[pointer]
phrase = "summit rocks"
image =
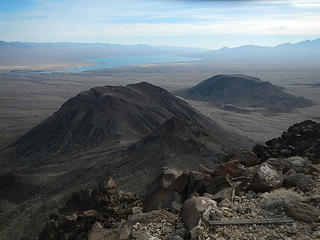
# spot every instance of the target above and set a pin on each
(302, 139)
(261, 198)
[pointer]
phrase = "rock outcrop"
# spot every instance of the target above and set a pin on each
(302, 139)
(241, 198)
(92, 214)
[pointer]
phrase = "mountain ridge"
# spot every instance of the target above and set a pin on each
(306, 53)
(178, 143)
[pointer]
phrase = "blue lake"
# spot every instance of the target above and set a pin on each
(120, 61)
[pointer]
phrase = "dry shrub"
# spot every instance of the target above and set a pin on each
(277, 199)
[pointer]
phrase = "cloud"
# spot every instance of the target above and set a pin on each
(168, 20)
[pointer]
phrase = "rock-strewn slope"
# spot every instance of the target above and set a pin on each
(245, 197)
(244, 91)
(178, 143)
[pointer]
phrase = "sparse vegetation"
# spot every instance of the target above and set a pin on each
(278, 199)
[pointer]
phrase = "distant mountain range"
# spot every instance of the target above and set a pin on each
(301, 52)
(129, 49)
(244, 91)
(30, 52)
(23, 53)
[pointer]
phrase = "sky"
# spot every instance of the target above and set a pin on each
(191, 23)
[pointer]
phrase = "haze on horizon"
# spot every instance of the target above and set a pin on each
(191, 23)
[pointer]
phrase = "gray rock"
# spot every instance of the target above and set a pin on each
(216, 184)
(193, 209)
(266, 179)
(299, 164)
(302, 212)
(301, 181)
(159, 196)
(176, 237)
(279, 164)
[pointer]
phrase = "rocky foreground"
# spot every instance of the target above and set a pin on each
(272, 192)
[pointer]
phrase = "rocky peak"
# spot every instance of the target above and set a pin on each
(302, 139)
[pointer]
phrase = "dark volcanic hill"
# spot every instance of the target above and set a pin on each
(108, 117)
(178, 143)
(244, 91)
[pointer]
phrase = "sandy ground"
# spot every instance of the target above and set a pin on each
(42, 67)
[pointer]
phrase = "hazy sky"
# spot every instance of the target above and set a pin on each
(197, 23)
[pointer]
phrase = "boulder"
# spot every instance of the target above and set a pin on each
(290, 172)
(299, 164)
(301, 181)
(279, 164)
(232, 168)
(303, 212)
(266, 179)
(241, 184)
(159, 195)
(197, 183)
(190, 183)
(246, 158)
(216, 184)
(193, 209)
(162, 198)
(181, 183)
(164, 179)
